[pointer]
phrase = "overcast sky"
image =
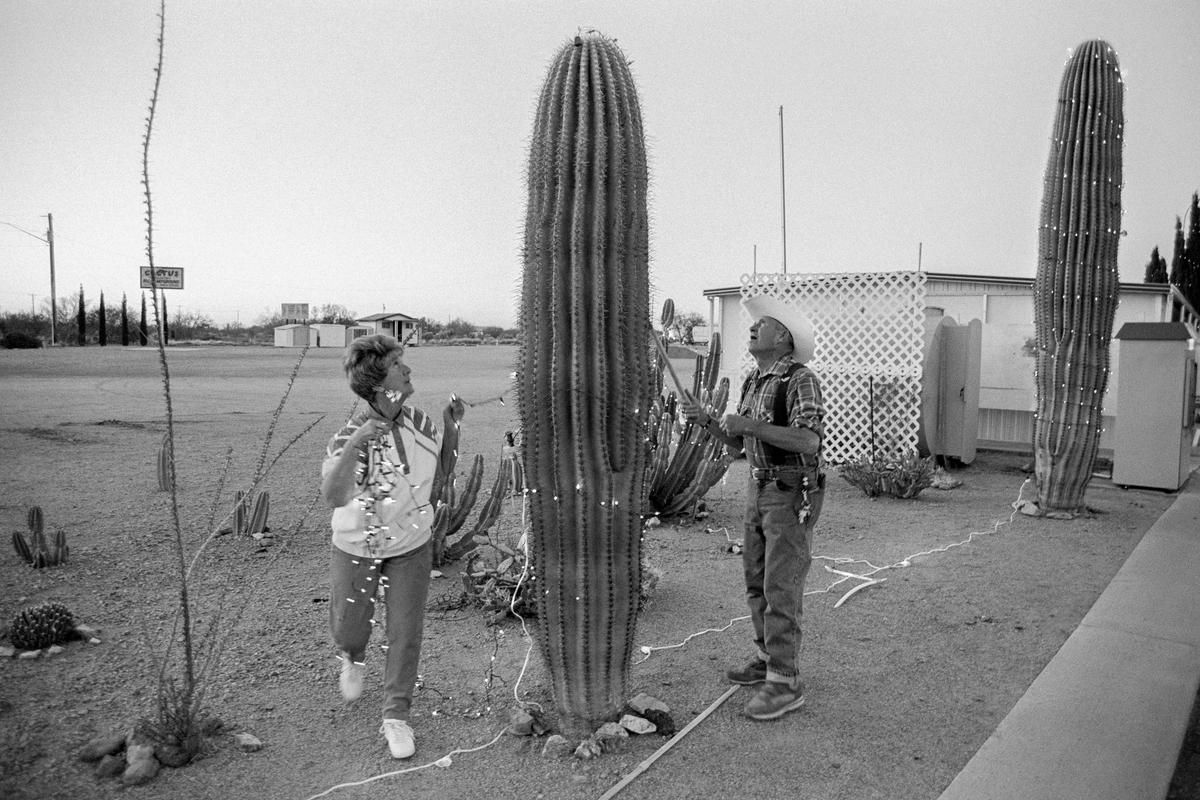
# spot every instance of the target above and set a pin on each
(372, 154)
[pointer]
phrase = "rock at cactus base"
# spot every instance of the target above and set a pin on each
(141, 765)
(110, 766)
(103, 745)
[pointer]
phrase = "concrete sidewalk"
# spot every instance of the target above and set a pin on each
(1106, 717)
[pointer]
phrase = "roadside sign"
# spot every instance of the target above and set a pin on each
(166, 277)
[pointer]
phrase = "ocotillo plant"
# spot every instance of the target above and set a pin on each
(584, 372)
(1075, 292)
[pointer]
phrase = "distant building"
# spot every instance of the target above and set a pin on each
(328, 334)
(1004, 306)
(294, 335)
(401, 326)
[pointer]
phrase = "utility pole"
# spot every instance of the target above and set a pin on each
(782, 191)
(53, 296)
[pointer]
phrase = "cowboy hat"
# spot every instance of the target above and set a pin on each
(791, 317)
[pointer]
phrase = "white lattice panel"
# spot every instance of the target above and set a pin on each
(869, 330)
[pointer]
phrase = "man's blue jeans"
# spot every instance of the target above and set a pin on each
(776, 554)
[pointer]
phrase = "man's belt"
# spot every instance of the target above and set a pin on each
(775, 473)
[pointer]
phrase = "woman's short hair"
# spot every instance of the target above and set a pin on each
(366, 362)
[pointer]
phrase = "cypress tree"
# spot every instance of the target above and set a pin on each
(102, 322)
(1156, 268)
(1191, 255)
(1177, 255)
(124, 320)
(142, 337)
(81, 319)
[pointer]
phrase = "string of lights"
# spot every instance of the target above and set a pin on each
(866, 579)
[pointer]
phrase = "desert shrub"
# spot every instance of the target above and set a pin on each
(905, 477)
(20, 340)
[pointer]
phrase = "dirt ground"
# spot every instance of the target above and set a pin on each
(906, 678)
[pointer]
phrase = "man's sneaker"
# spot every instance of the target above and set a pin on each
(774, 700)
(754, 672)
(399, 737)
(351, 679)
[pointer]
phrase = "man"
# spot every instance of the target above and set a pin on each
(779, 424)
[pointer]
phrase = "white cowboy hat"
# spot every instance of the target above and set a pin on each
(803, 343)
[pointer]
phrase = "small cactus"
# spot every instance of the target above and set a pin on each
(487, 515)
(688, 460)
(453, 507)
(164, 465)
(35, 551)
(34, 519)
(41, 626)
(250, 517)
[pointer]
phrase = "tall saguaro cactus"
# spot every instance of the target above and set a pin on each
(1075, 292)
(584, 372)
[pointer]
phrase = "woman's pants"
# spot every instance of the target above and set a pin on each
(354, 582)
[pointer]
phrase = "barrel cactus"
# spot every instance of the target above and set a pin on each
(41, 626)
(584, 380)
(1075, 291)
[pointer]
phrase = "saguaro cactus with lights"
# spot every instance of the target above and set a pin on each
(584, 380)
(1075, 292)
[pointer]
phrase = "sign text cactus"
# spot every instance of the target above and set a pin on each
(1075, 292)
(584, 372)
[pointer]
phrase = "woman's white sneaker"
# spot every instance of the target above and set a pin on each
(351, 679)
(399, 737)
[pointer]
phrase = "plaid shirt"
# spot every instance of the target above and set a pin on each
(805, 409)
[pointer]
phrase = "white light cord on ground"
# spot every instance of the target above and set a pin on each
(647, 651)
(865, 577)
(444, 761)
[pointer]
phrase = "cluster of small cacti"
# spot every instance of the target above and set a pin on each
(250, 512)
(688, 460)
(36, 550)
(41, 626)
(489, 512)
(453, 505)
(1075, 292)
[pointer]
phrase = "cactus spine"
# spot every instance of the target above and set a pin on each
(1075, 292)
(584, 372)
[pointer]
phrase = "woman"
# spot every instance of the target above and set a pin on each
(378, 475)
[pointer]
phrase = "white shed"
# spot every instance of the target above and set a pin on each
(328, 335)
(293, 335)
